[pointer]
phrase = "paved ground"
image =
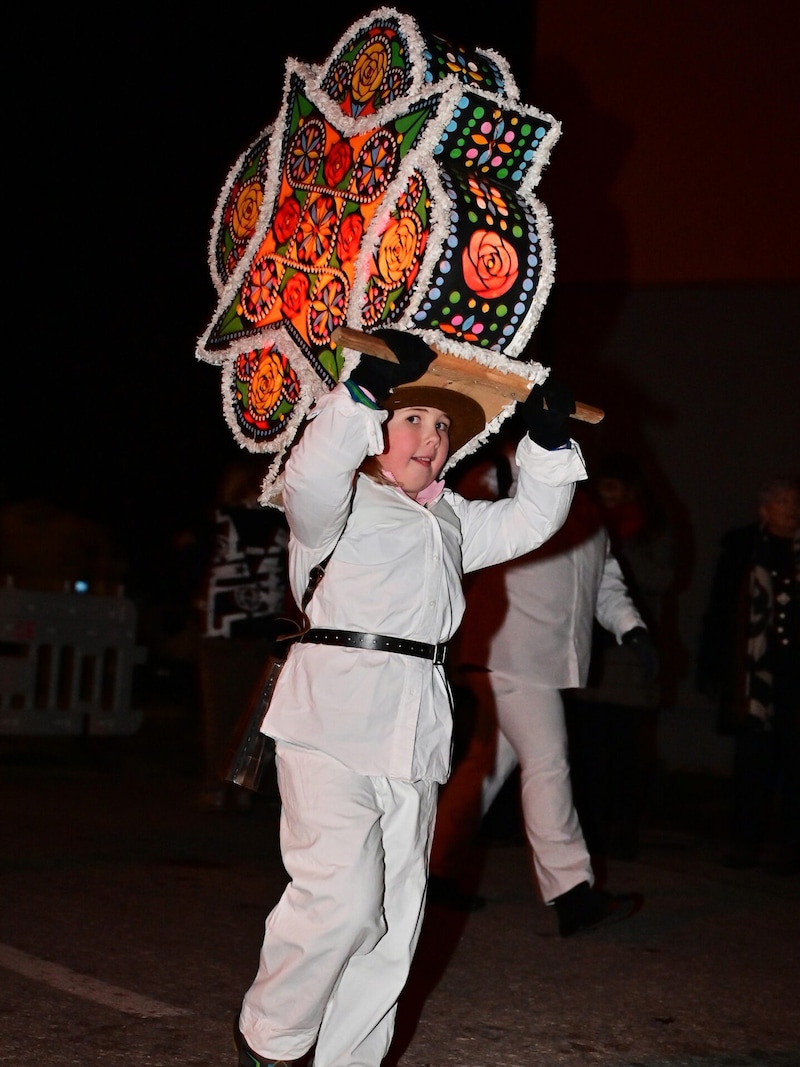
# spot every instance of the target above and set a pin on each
(130, 924)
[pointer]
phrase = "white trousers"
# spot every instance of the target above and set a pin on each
(338, 945)
(517, 723)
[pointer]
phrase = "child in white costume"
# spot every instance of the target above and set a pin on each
(363, 734)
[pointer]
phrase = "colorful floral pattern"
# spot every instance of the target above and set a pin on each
(330, 189)
(489, 279)
(241, 211)
(371, 70)
(489, 264)
(416, 209)
(394, 264)
(265, 392)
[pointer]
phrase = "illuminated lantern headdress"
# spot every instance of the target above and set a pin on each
(394, 189)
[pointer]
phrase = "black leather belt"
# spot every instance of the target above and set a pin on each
(377, 642)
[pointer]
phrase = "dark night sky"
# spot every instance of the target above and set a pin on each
(143, 121)
(127, 128)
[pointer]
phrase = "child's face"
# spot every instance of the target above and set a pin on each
(418, 443)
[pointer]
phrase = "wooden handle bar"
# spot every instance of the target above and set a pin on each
(451, 369)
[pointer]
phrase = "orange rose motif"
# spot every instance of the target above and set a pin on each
(245, 211)
(490, 264)
(295, 293)
(348, 240)
(337, 163)
(369, 70)
(286, 220)
(266, 383)
(398, 249)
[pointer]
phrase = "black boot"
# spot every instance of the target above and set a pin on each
(584, 908)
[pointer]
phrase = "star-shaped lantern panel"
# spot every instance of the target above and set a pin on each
(394, 189)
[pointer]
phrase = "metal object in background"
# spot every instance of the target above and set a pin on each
(66, 663)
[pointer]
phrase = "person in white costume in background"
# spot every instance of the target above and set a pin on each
(362, 712)
(527, 634)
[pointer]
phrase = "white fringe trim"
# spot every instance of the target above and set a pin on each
(447, 92)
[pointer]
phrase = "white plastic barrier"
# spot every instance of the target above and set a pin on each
(66, 663)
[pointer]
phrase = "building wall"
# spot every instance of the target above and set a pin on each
(679, 138)
(700, 382)
(675, 304)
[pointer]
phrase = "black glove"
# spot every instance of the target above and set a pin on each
(380, 376)
(638, 639)
(547, 426)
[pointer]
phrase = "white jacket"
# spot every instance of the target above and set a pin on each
(397, 570)
(533, 617)
(548, 606)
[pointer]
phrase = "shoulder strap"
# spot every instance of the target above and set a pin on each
(314, 578)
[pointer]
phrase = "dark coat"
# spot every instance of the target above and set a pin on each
(722, 649)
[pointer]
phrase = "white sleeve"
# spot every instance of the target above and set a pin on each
(320, 469)
(615, 611)
(496, 531)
